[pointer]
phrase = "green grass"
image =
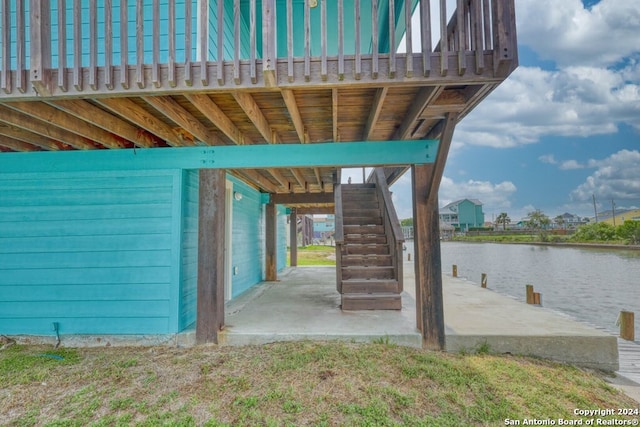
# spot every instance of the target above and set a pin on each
(315, 255)
(307, 383)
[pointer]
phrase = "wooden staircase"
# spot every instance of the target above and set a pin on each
(368, 247)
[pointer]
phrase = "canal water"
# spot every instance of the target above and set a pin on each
(590, 285)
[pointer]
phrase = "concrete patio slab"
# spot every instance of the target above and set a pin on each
(304, 305)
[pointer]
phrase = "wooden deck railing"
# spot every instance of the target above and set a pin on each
(182, 43)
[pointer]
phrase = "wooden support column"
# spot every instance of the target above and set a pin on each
(211, 243)
(293, 237)
(428, 263)
(269, 49)
(271, 257)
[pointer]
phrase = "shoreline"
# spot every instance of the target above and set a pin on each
(560, 244)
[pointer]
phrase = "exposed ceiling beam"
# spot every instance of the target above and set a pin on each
(63, 120)
(30, 138)
(253, 112)
(182, 118)
(90, 113)
(302, 198)
(424, 96)
(131, 111)
(17, 145)
(213, 113)
(378, 102)
(14, 118)
(300, 178)
(294, 112)
(258, 180)
(279, 177)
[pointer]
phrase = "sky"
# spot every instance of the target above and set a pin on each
(565, 126)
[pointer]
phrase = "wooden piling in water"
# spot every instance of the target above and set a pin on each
(529, 289)
(408, 257)
(537, 298)
(627, 326)
(483, 280)
(455, 271)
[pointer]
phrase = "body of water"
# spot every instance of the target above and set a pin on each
(590, 285)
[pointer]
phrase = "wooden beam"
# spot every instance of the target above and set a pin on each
(271, 250)
(30, 138)
(302, 198)
(378, 102)
(260, 156)
(55, 117)
(300, 178)
(88, 112)
(423, 98)
(293, 238)
(212, 112)
(136, 114)
(17, 145)
(427, 263)
(294, 112)
(211, 244)
(311, 210)
(279, 177)
(30, 124)
(253, 112)
(258, 180)
(182, 118)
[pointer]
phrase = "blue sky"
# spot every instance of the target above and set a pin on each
(563, 127)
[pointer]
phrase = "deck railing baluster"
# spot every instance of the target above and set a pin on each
(77, 45)
(6, 46)
(375, 40)
(188, 43)
(155, 31)
(140, 44)
(252, 42)
(220, 54)
(392, 39)
(62, 45)
(425, 34)
(307, 41)
(408, 39)
(21, 53)
(124, 45)
(108, 44)
(171, 73)
(358, 54)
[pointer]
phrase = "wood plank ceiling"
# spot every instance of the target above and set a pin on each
(286, 116)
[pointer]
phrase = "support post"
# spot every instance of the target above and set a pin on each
(271, 243)
(483, 280)
(529, 292)
(293, 238)
(211, 243)
(40, 47)
(627, 326)
(427, 264)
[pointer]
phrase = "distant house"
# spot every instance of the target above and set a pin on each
(571, 220)
(463, 214)
(323, 227)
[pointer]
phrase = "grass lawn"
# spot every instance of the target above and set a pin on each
(304, 383)
(315, 255)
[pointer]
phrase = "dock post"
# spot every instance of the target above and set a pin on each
(454, 273)
(483, 280)
(627, 327)
(408, 257)
(537, 298)
(529, 294)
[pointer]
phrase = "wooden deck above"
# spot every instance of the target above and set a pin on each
(95, 99)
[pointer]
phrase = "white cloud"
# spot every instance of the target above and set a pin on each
(548, 158)
(571, 165)
(493, 196)
(567, 33)
(617, 177)
(534, 103)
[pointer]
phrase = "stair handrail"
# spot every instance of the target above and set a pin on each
(338, 235)
(390, 212)
(391, 224)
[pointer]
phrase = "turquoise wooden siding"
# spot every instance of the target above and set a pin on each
(229, 32)
(96, 252)
(189, 272)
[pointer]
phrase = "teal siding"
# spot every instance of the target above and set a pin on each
(189, 260)
(94, 252)
(248, 238)
(281, 261)
(229, 31)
